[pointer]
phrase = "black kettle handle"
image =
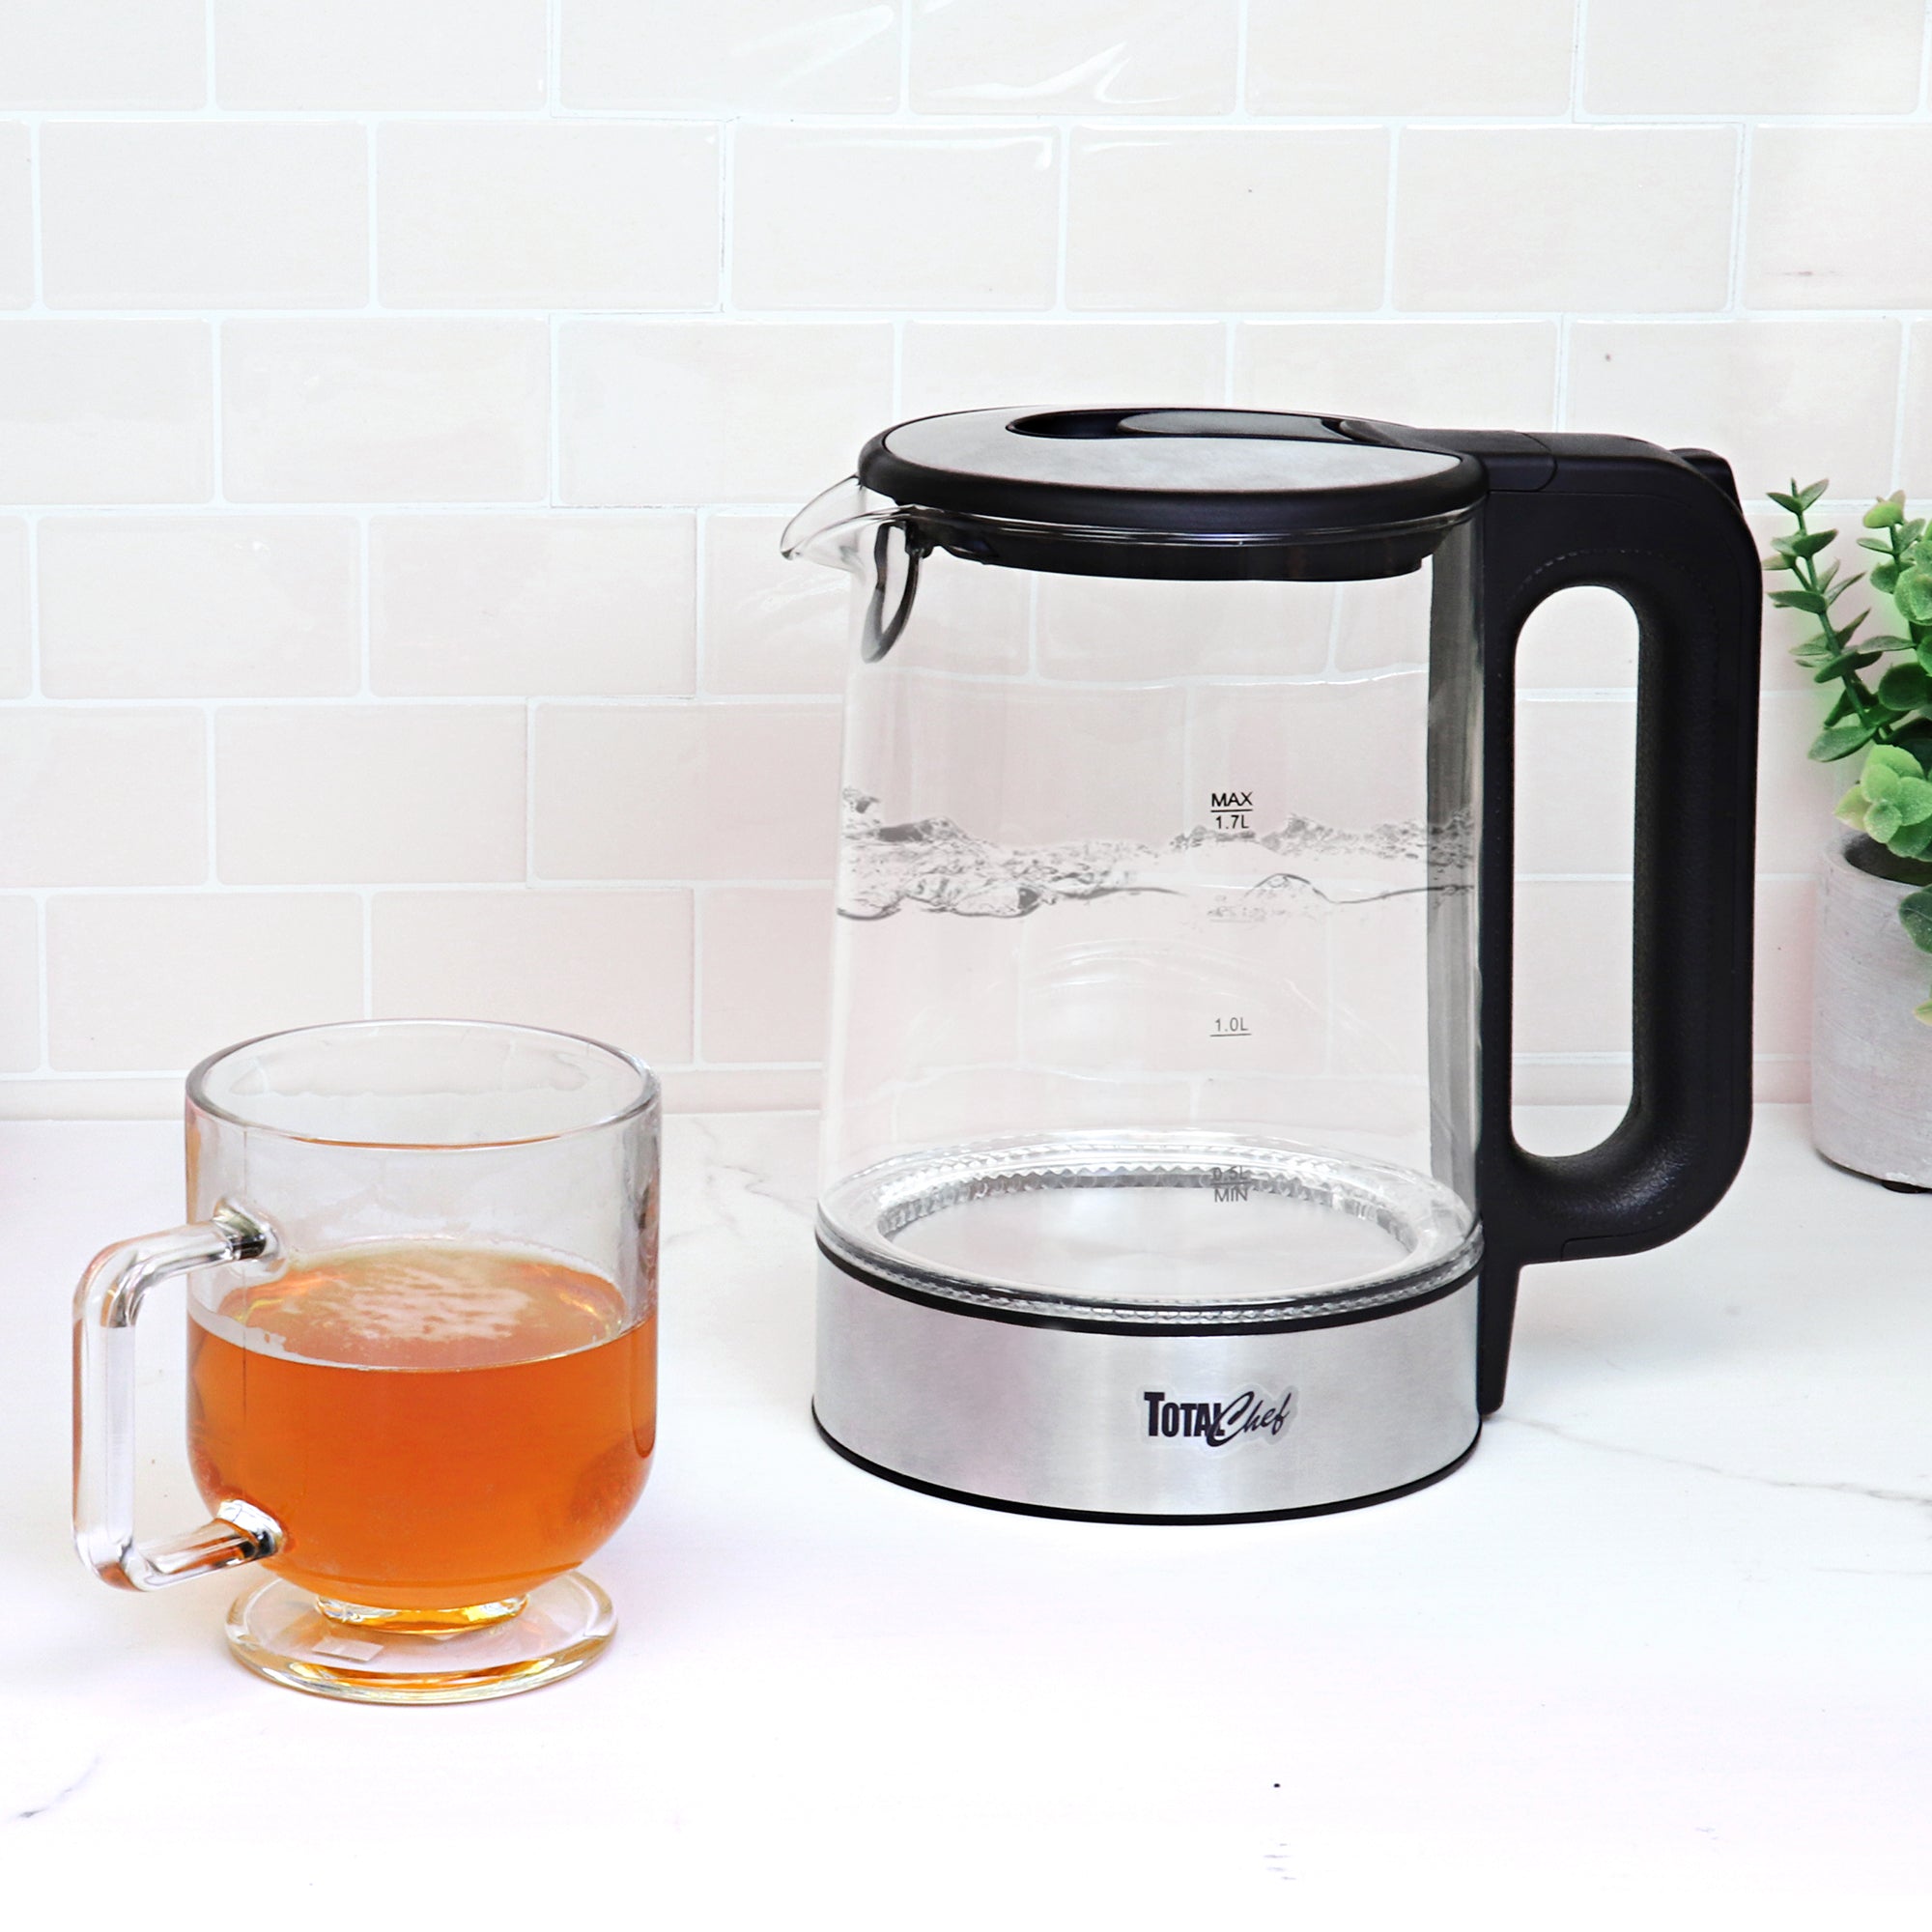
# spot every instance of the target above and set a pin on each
(1664, 530)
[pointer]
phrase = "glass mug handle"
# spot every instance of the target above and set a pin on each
(106, 1306)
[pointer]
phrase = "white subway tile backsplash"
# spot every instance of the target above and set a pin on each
(884, 218)
(375, 794)
(1408, 57)
(1623, 218)
(1752, 57)
(771, 627)
(205, 215)
(19, 984)
(515, 605)
(16, 217)
(766, 972)
(412, 54)
(160, 979)
(1574, 765)
(1795, 801)
(717, 411)
(458, 555)
(612, 965)
(737, 791)
(199, 606)
(964, 365)
(1074, 56)
(417, 409)
(1443, 374)
(106, 411)
(754, 56)
(103, 53)
(1779, 396)
(1572, 966)
(1226, 218)
(1584, 638)
(1916, 453)
(17, 614)
(547, 215)
(1782, 1011)
(1854, 258)
(99, 796)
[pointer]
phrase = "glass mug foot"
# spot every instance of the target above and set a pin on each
(286, 1635)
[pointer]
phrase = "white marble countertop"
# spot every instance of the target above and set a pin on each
(1670, 1632)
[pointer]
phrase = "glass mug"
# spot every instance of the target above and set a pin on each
(423, 1353)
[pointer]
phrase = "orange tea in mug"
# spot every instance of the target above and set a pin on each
(490, 1418)
(423, 1353)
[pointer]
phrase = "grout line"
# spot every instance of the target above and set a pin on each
(1740, 219)
(35, 183)
(727, 207)
(365, 572)
(1579, 29)
(554, 484)
(540, 887)
(777, 318)
(1062, 148)
(372, 303)
(1897, 478)
(530, 793)
(700, 601)
(208, 795)
(985, 121)
(1393, 191)
(552, 56)
(42, 985)
(699, 898)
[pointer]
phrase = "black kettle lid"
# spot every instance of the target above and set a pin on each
(1206, 492)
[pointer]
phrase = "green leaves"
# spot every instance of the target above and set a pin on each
(1799, 500)
(1904, 687)
(1891, 763)
(1841, 741)
(1897, 794)
(1806, 543)
(1910, 842)
(1891, 723)
(1915, 914)
(1912, 593)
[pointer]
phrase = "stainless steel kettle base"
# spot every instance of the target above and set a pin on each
(1083, 1419)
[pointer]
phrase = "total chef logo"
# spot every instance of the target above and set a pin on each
(1248, 1417)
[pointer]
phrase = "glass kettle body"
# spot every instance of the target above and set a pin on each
(1166, 1165)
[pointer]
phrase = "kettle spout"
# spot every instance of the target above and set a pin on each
(854, 529)
(832, 528)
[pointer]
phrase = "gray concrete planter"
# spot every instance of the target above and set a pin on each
(1872, 1059)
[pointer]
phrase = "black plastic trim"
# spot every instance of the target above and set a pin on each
(946, 1496)
(1663, 528)
(1109, 1325)
(1324, 532)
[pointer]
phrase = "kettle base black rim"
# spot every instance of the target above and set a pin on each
(943, 1495)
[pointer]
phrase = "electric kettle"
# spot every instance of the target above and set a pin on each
(1167, 1169)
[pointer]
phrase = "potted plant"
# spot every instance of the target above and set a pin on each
(1871, 1065)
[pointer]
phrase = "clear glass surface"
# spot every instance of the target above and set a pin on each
(421, 1348)
(1155, 963)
